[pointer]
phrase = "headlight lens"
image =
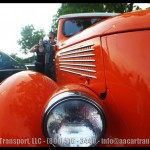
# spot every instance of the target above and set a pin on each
(73, 120)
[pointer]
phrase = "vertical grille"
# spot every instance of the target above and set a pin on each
(80, 61)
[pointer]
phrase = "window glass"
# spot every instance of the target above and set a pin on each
(75, 25)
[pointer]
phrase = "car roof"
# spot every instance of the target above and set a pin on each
(7, 55)
(76, 15)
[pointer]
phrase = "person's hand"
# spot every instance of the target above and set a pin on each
(36, 46)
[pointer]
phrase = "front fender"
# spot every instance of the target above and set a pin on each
(23, 97)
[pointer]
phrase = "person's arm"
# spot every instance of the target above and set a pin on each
(46, 58)
(34, 48)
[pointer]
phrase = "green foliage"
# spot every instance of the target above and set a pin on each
(120, 7)
(68, 8)
(29, 37)
(55, 24)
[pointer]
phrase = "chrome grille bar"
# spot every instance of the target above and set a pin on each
(72, 49)
(77, 60)
(79, 73)
(86, 55)
(87, 70)
(85, 65)
(76, 52)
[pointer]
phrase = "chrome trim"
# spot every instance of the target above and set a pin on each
(88, 50)
(92, 60)
(71, 49)
(76, 15)
(79, 73)
(61, 97)
(78, 69)
(85, 55)
(57, 98)
(84, 65)
(68, 96)
(12, 69)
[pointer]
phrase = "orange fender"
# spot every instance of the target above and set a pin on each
(23, 97)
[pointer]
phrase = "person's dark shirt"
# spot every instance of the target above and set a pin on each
(50, 53)
(40, 58)
(50, 60)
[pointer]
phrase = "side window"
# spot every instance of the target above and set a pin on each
(75, 25)
(71, 27)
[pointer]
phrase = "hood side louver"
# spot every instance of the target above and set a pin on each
(79, 61)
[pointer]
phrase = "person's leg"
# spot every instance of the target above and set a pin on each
(36, 67)
(50, 71)
(41, 69)
(47, 70)
(53, 73)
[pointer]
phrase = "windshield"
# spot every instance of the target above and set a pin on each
(75, 25)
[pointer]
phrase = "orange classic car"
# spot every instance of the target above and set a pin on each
(102, 94)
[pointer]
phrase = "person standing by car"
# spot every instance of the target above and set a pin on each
(50, 56)
(40, 58)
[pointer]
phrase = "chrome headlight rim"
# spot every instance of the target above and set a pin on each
(68, 96)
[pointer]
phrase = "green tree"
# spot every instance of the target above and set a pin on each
(29, 37)
(120, 7)
(68, 8)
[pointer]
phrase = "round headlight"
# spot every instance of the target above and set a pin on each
(73, 119)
